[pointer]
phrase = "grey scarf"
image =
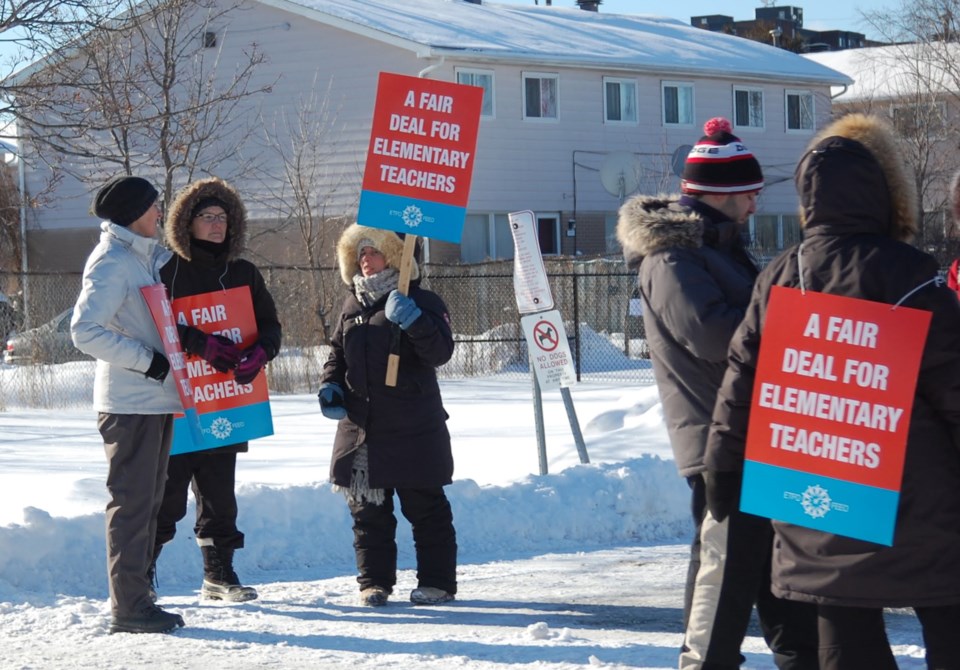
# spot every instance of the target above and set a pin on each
(359, 490)
(370, 289)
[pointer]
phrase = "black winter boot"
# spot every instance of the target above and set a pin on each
(151, 619)
(220, 582)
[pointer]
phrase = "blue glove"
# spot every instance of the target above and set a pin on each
(331, 401)
(401, 309)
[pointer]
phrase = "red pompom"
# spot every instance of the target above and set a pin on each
(716, 125)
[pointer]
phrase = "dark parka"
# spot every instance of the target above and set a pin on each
(404, 427)
(695, 279)
(858, 208)
(195, 269)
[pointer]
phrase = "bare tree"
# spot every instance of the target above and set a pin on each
(146, 92)
(918, 79)
(312, 179)
(30, 28)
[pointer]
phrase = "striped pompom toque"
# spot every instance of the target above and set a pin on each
(720, 163)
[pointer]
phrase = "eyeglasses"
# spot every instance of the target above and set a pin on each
(210, 218)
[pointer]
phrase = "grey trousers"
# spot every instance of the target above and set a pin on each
(137, 448)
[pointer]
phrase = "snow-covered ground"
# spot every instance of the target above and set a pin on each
(581, 567)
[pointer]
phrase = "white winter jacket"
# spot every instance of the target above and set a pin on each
(111, 322)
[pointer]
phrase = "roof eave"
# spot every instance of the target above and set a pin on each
(609, 66)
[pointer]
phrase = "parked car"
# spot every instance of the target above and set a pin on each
(49, 343)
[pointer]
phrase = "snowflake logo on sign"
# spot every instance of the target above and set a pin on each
(816, 501)
(221, 428)
(412, 216)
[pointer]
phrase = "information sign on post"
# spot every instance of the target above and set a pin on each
(549, 350)
(529, 275)
(830, 412)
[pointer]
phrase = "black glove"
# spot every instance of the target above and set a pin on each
(217, 350)
(159, 367)
(723, 492)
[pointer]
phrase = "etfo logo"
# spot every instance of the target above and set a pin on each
(412, 216)
(221, 428)
(816, 501)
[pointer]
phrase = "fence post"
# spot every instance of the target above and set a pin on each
(576, 319)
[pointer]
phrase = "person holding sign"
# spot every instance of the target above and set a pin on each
(858, 209)
(695, 279)
(391, 439)
(206, 229)
(132, 392)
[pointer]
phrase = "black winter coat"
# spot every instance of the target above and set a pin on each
(849, 249)
(695, 278)
(404, 426)
(195, 269)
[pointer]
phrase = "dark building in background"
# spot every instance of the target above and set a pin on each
(783, 27)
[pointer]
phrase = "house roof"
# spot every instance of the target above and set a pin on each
(894, 72)
(554, 36)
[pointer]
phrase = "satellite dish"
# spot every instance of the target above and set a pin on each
(679, 158)
(618, 174)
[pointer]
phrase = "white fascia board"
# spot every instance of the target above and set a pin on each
(660, 69)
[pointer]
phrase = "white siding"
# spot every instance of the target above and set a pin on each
(542, 166)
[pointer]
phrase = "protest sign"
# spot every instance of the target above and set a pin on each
(831, 408)
(229, 412)
(420, 157)
(162, 313)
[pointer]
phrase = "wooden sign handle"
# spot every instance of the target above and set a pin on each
(403, 286)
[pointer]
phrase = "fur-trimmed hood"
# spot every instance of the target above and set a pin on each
(852, 178)
(177, 224)
(387, 242)
(649, 223)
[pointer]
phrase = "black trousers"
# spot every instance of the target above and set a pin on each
(374, 539)
(698, 508)
(852, 638)
(212, 476)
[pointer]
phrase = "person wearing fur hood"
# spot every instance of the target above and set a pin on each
(206, 230)
(695, 278)
(390, 439)
(858, 210)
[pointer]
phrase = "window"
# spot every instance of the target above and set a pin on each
(677, 103)
(486, 237)
(800, 111)
(619, 100)
(483, 79)
(771, 233)
(548, 233)
(747, 108)
(539, 96)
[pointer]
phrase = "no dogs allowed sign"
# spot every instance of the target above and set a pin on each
(549, 350)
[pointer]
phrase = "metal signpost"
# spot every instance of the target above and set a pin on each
(551, 363)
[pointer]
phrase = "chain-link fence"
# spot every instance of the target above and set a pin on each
(42, 369)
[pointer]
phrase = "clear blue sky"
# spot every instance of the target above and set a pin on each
(817, 14)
